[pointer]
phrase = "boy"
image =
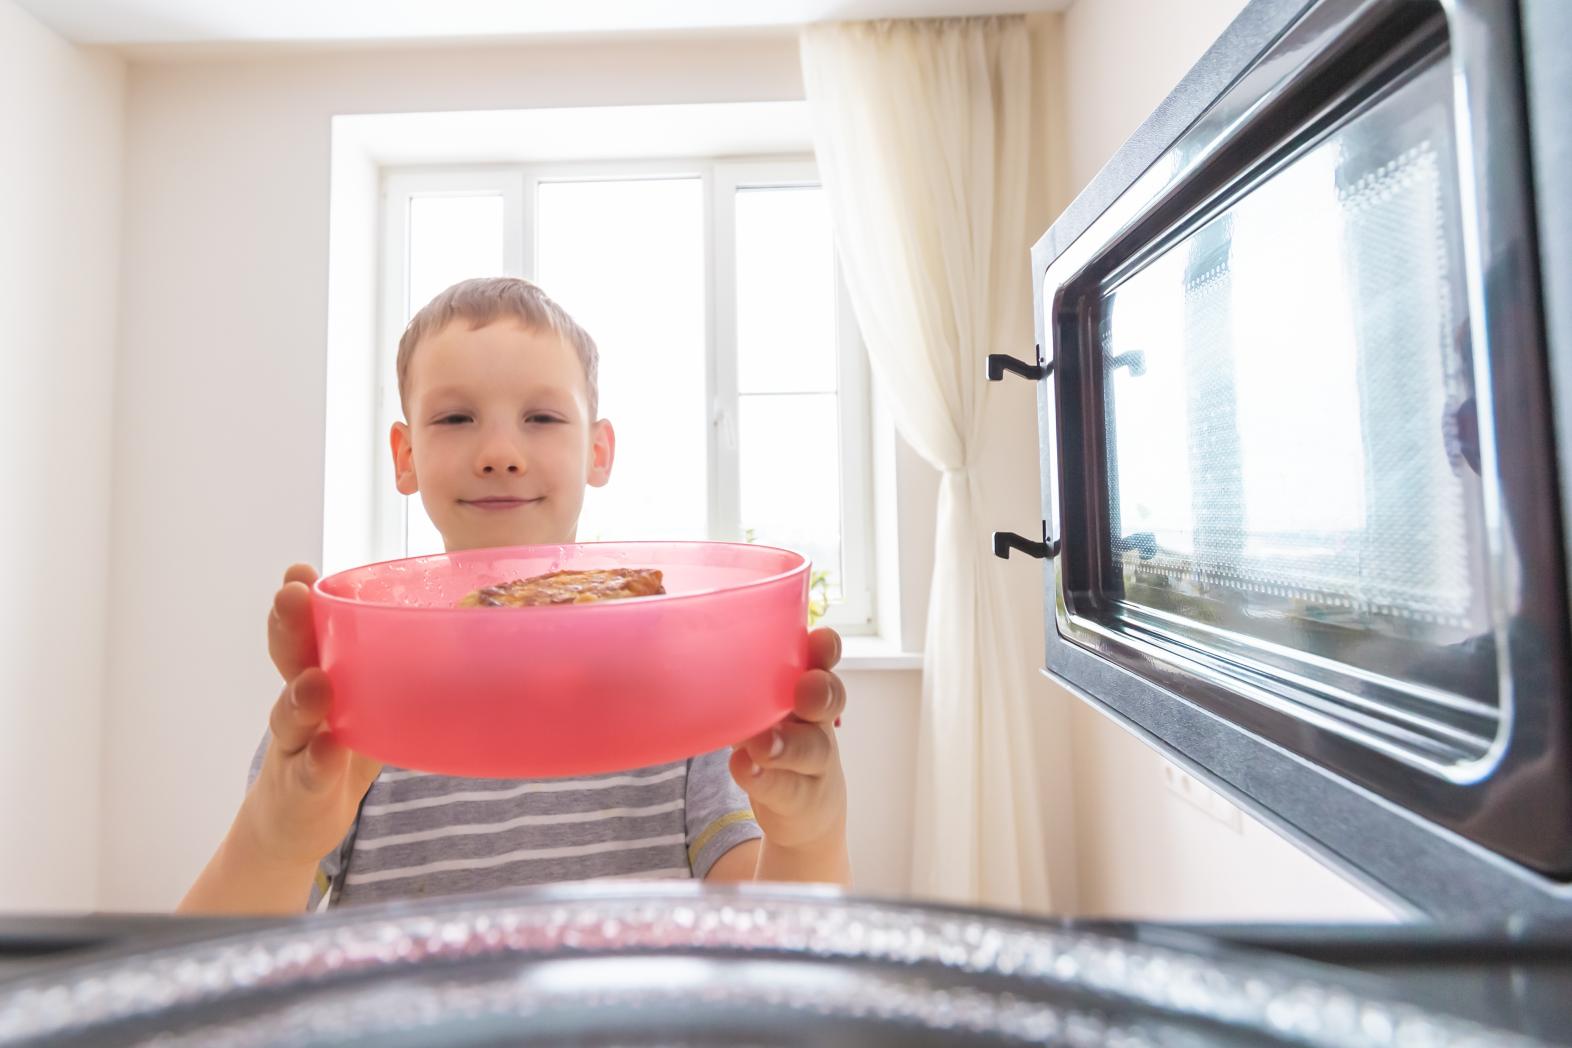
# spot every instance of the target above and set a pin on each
(498, 385)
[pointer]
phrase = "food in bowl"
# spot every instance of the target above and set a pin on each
(568, 587)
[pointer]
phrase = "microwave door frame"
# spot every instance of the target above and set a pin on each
(1546, 26)
(1413, 863)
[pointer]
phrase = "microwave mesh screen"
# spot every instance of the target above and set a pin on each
(1291, 435)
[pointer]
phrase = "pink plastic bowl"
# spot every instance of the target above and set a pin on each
(563, 690)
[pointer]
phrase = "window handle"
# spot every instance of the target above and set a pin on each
(725, 424)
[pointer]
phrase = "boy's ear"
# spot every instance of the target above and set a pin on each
(603, 448)
(403, 460)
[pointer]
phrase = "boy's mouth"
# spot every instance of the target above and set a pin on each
(499, 503)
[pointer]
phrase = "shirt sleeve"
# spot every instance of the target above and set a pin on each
(332, 866)
(719, 816)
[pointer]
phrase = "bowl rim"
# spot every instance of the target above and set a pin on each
(802, 565)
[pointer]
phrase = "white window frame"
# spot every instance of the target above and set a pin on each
(855, 614)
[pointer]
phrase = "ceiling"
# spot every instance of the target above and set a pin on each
(132, 22)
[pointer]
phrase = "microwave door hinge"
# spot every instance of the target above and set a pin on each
(1005, 541)
(999, 363)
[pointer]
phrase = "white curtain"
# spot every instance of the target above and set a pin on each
(922, 132)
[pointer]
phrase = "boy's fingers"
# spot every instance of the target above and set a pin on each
(782, 792)
(299, 711)
(291, 610)
(323, 763)
(792, 746)
(824, 648)
(303, 573)
(820, 696)
(284, 724)
(291, 634)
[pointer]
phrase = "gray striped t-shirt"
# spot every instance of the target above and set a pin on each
(420, 835)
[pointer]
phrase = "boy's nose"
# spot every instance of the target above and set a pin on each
(500, 456)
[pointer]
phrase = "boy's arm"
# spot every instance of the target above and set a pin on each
(758, 860)
(240, 878)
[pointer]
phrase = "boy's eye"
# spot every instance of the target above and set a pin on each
(538, 417)
(451, 420)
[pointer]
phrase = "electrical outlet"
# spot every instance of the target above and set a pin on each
(1196, 793)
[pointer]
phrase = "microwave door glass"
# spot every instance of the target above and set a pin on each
(1294, 493)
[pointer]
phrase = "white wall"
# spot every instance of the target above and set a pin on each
(1142, 850)
(60, 111)
(218, 464)
(878, 739)
(1121, 58)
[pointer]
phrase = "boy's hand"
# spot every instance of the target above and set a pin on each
(310, 786)
(792, 772)
(291, 635)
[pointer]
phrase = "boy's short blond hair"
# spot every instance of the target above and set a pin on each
(484, 300)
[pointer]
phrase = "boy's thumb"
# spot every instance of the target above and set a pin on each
(325, 763)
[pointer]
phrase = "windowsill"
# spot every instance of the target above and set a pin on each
(876, 653)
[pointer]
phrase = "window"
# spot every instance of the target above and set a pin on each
(731, 365)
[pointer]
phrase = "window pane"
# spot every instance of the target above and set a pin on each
(789, 465)
(626, 259)
(451, 238)
(785, 292)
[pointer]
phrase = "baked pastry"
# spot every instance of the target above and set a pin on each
(568, 587)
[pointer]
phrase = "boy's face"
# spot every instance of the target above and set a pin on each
(499, 441)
